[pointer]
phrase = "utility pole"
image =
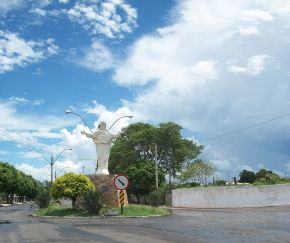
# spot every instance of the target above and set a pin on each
(51, 161)
(83, 169)
(156, 167)
(51, 169)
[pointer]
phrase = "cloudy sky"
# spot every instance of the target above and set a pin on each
(212, 66)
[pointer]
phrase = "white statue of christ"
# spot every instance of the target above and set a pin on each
(103, 140)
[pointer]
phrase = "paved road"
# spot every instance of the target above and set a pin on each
(223, 225)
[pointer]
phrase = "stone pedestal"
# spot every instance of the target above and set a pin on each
(105, 184)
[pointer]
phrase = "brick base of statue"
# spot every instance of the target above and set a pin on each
(105, 184)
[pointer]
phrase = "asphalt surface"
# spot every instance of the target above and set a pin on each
(212, 225)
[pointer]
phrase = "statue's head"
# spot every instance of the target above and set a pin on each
(102, 126)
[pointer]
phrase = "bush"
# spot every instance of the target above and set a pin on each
(71, 186)
(93, 202)
(43, 199)
(268, 179)
(156, 198)
(187, 185)
(220, 183)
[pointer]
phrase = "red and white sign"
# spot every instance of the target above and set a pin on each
(121, 182)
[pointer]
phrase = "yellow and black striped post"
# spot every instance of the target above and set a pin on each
(122, 200)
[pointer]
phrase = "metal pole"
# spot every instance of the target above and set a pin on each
(55, 175)
(156, 167)
(118, 120)
(71, 112)
(51, 170)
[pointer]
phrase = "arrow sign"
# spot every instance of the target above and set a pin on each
(121, 182)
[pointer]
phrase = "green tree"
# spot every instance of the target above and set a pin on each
(138, 142)
(197, 172)
(71, 186)
(173, 150)
(13, 181)
(247, 176)
(267, 177)
(9, 181)
(263, 173)
(142, 178)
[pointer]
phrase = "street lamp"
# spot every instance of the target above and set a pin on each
(118, 120)
(71, 112)
(52, 160)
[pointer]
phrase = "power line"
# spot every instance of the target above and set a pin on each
(38, 157)
(82, 158)
(245, 128)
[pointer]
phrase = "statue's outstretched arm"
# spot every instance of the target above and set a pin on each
(89, 135)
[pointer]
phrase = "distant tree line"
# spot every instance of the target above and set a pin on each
(263, 176)
(13, 181)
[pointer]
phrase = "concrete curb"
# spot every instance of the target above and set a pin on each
(97, 217)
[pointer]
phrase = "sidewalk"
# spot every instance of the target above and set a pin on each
(5, 205)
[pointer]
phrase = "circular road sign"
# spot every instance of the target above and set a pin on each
(121, 182)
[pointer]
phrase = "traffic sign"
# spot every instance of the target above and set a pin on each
(121, 182)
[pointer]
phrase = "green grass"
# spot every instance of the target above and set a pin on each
(131, 210)
(142, 210)
(55, 210)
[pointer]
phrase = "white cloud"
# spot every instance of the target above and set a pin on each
(248, 30)
(255, 65)
(261, 166)
(83, 148)
(110, 18)
(97, 58)
(21, 138)
(246, 167)
(110, 117)
(14, 100)
(15, 51)
(257, 15)
(279, 173)
(28, 129)
(63, 1)
(2, 152)
(6, 5)
(222, 164)
(42, 173)
(60, 167)
(38, 11)
(205, 68)
(13, 119)
(180, 73)
(43, 3)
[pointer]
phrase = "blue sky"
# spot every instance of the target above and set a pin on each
(213, 67)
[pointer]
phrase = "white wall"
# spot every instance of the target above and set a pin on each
(232, 196)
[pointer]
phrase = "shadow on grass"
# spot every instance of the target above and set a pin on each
(59, 211)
